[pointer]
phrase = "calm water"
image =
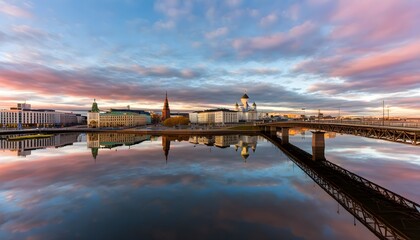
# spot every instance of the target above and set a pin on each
(112, 186)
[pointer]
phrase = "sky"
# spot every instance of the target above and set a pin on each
(333, 55)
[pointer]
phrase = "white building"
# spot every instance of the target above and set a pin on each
(24, 116)
(217, 116)
(246, 113)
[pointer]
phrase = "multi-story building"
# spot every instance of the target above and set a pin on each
(114, 118)
(23, 116)
(218, 116)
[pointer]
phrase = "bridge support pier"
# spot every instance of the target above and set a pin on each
(318, 146)
(284, 135)
(273, 129)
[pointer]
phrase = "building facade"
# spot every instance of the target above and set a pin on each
(23, 116)
(115, 118)
(217, 116)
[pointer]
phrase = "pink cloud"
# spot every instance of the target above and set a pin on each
(380, 60)
(13, 10)
(375, 20)
(173, 8)
(292, 41)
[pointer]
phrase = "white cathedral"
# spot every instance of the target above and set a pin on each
(246, 113)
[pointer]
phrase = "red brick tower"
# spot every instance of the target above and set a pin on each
(166, 113)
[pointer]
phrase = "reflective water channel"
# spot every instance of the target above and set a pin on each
(115, 186)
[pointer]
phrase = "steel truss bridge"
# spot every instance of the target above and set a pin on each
(386, 214)
(389, 133)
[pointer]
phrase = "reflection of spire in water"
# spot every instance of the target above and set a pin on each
(166, 145)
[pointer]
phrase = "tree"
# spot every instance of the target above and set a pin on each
(173, 121)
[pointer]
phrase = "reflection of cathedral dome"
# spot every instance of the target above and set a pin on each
(245, 156)
(245, 96)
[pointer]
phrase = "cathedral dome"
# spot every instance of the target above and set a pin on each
(245, 96)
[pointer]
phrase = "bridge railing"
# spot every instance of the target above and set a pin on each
(405, 124)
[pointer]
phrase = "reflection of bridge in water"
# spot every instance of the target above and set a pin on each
(387, 214)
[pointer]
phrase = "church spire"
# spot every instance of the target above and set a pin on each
(166, 112)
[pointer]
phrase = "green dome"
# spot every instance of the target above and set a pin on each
(94, 106)
(245, 96)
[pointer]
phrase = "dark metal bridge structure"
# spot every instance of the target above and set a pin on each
(390, 133)
(385, 213)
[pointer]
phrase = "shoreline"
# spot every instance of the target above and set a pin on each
(135, 131)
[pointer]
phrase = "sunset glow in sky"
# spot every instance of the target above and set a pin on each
(287, 55)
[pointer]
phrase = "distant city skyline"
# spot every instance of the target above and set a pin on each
(334, 55)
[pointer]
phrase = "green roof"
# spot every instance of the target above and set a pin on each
(245, 96)
(119, 113)
(95, 107)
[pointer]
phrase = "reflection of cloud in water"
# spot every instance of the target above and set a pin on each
(394, 166)
(199, 193)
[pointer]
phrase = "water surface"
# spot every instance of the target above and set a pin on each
(142, 187)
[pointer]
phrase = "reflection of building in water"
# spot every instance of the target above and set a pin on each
(245, 143)
(226, 141)
(166, 143)
(111, 140)
(203, 140)
(330, 135)
(24, 147)
(242, 142)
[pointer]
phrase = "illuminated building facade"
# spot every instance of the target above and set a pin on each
(115, 118)
(23, 116)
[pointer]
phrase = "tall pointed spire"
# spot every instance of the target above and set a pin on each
(166, 145)
(166, 112)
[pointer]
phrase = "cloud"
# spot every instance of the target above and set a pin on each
(299, 40)
(350, 21)
(217, 33)
(385, 70)
(268, 20)
(165, 24)
(233, 3)
(260, 71)
(13, 10)
(167, 72)
(173, 8)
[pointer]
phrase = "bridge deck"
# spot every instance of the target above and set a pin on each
(389, 133)
(387, 214)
